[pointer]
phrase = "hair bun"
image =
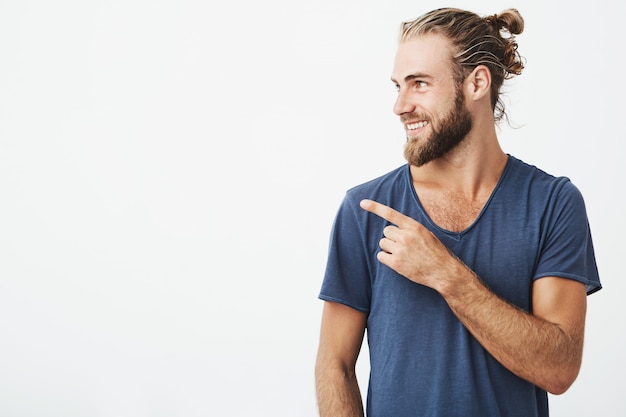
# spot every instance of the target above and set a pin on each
(510, 20)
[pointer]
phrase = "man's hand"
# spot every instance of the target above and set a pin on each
(412, 250)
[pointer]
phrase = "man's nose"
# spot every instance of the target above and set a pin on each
(403, 104)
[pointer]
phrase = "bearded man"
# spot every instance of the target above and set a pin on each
(468, 267)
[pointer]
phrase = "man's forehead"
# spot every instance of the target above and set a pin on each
(423, 54)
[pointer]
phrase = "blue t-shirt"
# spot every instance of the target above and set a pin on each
(423, 361)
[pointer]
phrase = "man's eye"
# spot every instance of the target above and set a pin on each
(420, 84)
(397, 87)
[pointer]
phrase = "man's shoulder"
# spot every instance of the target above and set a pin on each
(521, 171)
(540, 187)
(397, 177)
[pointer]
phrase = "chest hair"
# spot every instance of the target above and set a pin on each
(451, 211)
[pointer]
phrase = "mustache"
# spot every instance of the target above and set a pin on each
(411, 117)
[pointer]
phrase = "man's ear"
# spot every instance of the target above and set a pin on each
(478, 83)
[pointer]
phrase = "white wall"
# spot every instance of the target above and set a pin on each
(169, 172)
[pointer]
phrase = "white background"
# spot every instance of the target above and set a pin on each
(169, 172)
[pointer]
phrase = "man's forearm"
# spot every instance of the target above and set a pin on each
(338, 394)
(533, 348)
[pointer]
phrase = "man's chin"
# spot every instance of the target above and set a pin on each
(415, 138)
(414, 155)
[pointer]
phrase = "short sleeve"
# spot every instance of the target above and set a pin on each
(347, 275)
(567, 247)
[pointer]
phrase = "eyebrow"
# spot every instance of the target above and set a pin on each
(411, 77)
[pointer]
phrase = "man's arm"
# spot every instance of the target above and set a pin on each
(544, 347)
(341, 336)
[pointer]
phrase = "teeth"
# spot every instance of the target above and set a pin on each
(414, 126)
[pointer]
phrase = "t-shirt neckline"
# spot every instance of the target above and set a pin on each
(458, 235)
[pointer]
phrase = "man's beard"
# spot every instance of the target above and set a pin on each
(453, 128)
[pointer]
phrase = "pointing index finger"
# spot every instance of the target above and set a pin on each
(386, 213)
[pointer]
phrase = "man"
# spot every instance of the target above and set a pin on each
(468, 267)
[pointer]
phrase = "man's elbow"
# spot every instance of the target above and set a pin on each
(326, 368)
(562, 381)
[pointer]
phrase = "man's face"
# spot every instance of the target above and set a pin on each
(430, 103)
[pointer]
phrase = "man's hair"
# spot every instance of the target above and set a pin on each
(488, 41)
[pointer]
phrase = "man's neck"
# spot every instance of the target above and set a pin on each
(471, 169)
